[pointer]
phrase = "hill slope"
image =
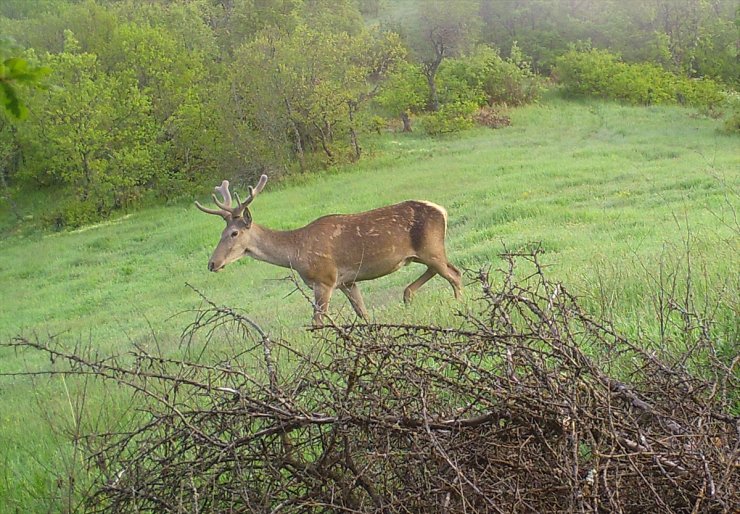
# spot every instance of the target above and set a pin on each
(596, 184)
(614, 195)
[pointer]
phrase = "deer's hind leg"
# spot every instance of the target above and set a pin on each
(408, 293)
(454, 277)
(441, 267)
(355, 299)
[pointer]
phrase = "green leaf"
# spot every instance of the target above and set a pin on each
(11, 102)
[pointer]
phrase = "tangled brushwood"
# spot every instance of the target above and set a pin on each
(529, 405)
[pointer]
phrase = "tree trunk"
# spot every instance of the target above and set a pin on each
(14, 163)
(324, 144)
(406, 121)
(430, 71)
(296, 135)
(433, 91)
(352, 133)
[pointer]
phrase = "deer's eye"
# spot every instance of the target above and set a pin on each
(235, 233)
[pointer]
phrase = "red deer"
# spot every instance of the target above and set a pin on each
(339, 250)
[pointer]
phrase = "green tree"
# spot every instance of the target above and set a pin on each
(403, 93)
(235, 22)
(302, 93)
(440, 30)
(93, 134)
(332, 16)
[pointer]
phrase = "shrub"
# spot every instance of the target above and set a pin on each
(461, 81)
(732, 122)
(450, 118)
(404, 91)
(490, 117)
(486, 79)
(409, 418)
(700, 93)
(512, 81)
(586, 73)
(75, 213)
(602, 74)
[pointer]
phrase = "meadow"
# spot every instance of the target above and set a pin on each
(617, 198)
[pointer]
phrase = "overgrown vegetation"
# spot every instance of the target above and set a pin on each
(687, 37)
(615, 194)
(156, 100)
(633, 201)
(527, 404)
(599, 73)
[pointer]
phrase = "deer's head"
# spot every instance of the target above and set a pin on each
(236, 237)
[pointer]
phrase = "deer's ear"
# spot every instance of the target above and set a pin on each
(247, 216)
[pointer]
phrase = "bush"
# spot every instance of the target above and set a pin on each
(487, 79)
(526, 400)
(586, 73)
(602, 74)
(700, 93)
(75, 213)
(450, 118)
(512, 81)
(732, 122)
(490, 117)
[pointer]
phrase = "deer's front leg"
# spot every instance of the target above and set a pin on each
(322, 294)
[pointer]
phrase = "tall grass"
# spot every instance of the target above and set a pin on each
(615, 195)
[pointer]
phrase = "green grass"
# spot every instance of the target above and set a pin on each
(610, 192)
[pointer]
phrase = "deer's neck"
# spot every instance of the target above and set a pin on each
(273, 246)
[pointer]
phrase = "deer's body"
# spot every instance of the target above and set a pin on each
(339, 250)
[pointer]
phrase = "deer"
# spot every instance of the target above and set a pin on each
(339, 250)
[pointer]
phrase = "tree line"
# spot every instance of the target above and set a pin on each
(154, 99)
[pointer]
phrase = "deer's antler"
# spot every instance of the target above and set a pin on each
(254, 191)
(225, 208)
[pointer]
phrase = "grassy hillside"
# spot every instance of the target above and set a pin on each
(613, 194)
(598, 185)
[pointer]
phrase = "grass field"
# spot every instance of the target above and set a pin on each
(613, 194)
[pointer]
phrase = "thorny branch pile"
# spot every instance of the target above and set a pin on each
(530, 405)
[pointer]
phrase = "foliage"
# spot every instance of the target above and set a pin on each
(183, 93)
(487, 79)
(601, 73)
(95, 135)
(732, 121)
(233, 88)
(451, 117)
(437, 31)
(404, 91)
(511, 81)
(689, 37)
(732, 124)
(482, 79)
(309, 101)
(16, 71)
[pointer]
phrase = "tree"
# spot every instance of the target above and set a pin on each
(94, 134)
(439, 30)
(403, 93)
(303, 92)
